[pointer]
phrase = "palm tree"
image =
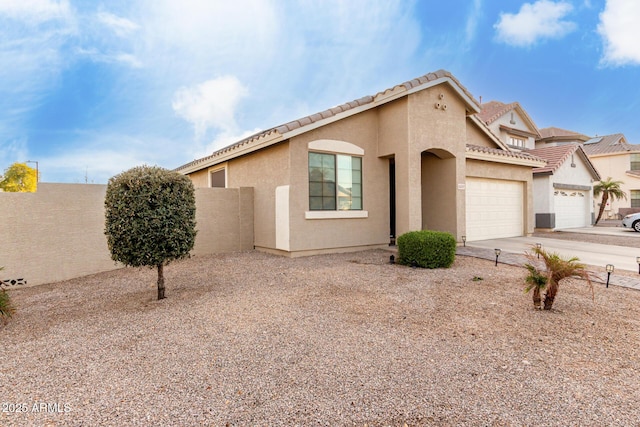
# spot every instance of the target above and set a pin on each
(558, 268)
(608, 189)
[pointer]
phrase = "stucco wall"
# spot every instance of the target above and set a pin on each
(57, 233)
(475, 136)
(224, 220)
(264, 171)
(543, 190)
(313, 235)
(200, 179)
(441, 131)
(439, 192)
(392, 127)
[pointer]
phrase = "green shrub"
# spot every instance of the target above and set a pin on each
(427, 249)
(6, 307)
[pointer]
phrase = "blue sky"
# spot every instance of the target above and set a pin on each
(91, 88)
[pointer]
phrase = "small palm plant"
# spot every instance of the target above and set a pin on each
(536, 281)
(6, 307)
(557, 268)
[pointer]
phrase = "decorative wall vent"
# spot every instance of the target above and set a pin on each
(13, 282)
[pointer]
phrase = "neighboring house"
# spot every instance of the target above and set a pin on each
(511, 123)
(614, 157)
(563, 189)
(355, 176)
(553, 136)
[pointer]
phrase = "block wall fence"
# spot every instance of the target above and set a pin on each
(57, 233)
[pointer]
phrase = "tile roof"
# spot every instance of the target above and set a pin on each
(503, 153)
(276, 133)
(493, 110)
(609, 144)
(557, 155)
(554, 132)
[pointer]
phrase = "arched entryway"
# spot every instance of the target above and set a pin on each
(439, 188)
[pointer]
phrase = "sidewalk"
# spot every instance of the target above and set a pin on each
(516, 259)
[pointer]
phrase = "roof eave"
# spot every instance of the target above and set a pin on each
(496, 158)
(272, 138)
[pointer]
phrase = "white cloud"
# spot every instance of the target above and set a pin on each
(33, 34)
(211, 104)
(620, 32)
(35, 12)
(110, 57)
(297, 58)
(472, 20)
(13, 151)
(120, 26)
(540, 20)
(99, 155)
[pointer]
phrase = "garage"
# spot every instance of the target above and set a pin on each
(571, 209)
(495, 208)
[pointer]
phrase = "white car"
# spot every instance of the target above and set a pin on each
(632, 221)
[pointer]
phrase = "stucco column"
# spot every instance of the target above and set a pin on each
(408, 193)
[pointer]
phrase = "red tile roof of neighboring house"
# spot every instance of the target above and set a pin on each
(609, 144)
(558, 133)
(557, 155)
(493, 110)
(276, 132)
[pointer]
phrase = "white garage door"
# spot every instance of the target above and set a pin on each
(495, 209)
(571, 209)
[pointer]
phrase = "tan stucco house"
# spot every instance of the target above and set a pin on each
(355, 176)
(614, 157)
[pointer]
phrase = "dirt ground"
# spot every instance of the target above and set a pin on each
(255, 339)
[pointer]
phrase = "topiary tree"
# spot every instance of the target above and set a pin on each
(150, 218)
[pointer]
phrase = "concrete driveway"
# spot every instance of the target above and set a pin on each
(611, 231)
(622, 257)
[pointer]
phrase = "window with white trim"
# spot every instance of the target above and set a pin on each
(335, 182)
(635, 198)
(635, 162)
(514, 141)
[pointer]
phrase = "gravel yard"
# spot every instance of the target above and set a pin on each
(256, 339)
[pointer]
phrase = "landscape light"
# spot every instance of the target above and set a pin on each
(392, 259)
(638, 261)
(610, 269)
(497, 251)
(464, 240)
(538, 246)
